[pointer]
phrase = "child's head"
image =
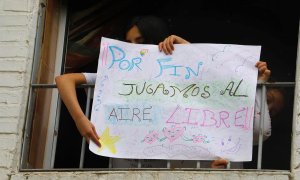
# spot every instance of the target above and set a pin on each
(275, 100)
(146, 30)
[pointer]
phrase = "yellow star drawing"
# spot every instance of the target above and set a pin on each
(108, 141)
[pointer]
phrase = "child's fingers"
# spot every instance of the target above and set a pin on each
(268, 72)
(219, 163)
(160, 46)
(168, 46)
(261, 64)
(262, 69)
(171, 41)
(164, 48)
(95, 139)
(95, 132)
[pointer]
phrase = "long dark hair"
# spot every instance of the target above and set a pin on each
(153, 29)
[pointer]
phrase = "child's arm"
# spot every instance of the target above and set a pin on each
(66, 85)
(263, 76)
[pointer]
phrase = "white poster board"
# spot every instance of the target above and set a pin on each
(196, 104)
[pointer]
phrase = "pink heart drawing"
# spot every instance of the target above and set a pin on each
(173, 133)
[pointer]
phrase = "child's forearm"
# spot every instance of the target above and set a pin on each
(66, 85)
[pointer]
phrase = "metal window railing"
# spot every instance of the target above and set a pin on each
(24, 158)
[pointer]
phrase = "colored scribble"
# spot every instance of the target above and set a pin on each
(98, 99)
(219, 53)
(108, 141)
(104, 53)
(143, 52)
(199, 138)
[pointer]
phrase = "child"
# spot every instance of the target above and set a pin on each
(67, 83)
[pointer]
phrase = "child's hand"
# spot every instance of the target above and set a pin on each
(168, 44)
(87, 130)
(263, 71)
(219, 163)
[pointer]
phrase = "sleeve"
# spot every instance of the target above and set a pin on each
(90, 77)
(258, 116)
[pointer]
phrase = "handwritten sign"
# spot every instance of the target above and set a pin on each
(196, 104)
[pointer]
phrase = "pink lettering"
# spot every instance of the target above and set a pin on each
(224, 115)
(188, 118)
(248, 127)
(241, 117)
(172, 118)
(105, 52)
(209, 118)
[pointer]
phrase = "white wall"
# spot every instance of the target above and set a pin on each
(17, 35)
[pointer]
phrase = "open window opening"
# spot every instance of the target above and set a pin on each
(274, 26)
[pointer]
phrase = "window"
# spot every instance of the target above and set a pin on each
(77, 28)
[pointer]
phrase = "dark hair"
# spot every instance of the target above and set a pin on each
(153, 29)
